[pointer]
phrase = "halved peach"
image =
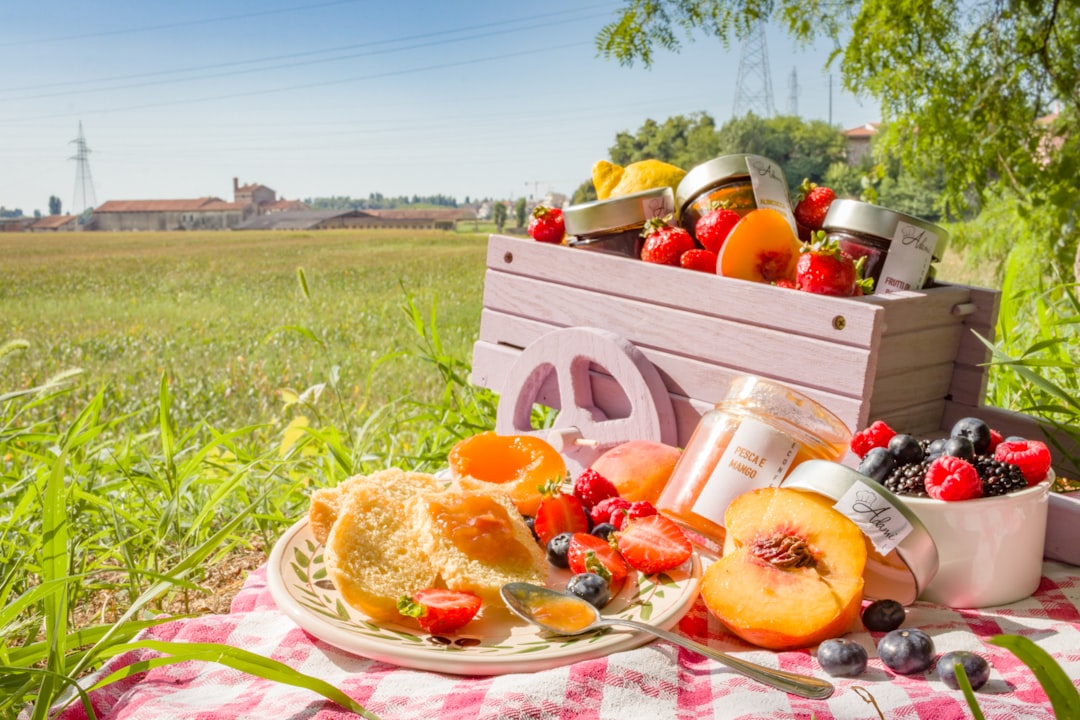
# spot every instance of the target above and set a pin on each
(521, 464)
(791, 574)
(761, 247)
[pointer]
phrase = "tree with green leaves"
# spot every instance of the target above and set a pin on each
(499, 215)
(54, 205)
(521, 212)
(683, 141)
(987, 93)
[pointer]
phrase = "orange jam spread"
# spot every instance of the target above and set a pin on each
(479, 527)
(564, 615)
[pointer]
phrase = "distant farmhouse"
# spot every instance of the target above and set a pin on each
(435, 219)
(205, 213)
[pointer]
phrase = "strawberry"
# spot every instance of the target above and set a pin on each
(812, 204)
(953, 478)
(698, 259)
(546, 225)
(637, 509)
(589, 553)
(438, 610)
(1032, 457)
(653, 544)
(606, 511)
(591, 487)
(712, 228)
(664, 244)
(824, 269)
(558, 512)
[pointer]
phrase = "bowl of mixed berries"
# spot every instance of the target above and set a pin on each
(982, 497)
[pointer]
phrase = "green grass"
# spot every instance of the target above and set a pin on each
(208, 309)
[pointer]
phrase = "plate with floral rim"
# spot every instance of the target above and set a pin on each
(494, 643)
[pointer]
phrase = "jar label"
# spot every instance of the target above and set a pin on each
(770, 190)
(757, 456)
(658, 207)
(908, 262)
(875, 515)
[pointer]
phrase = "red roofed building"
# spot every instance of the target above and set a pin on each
(204, 213)
(858, 141)
(55, 223)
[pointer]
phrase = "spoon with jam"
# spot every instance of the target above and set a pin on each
(566, 614)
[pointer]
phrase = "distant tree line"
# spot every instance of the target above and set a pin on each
(378, 201)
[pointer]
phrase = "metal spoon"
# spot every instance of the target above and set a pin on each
(566, 614)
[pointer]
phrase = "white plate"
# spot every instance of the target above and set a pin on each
(494, 643)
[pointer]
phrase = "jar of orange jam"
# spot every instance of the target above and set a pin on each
(752, 439)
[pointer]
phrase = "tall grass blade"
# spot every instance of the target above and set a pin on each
(235, 658)
(1063, 695)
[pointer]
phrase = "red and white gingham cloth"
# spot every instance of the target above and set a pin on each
(657, 680)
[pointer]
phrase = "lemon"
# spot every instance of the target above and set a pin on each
(605, 176)
(646, 175)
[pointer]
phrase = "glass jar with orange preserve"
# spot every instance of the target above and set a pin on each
(752, 439)
(739, 182)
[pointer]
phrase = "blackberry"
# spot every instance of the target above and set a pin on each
(999, 478)
(908, 479)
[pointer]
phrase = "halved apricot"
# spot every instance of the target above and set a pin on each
(761, 247)
(522, 464)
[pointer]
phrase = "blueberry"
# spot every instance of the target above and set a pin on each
(936, 448)
(906, 449)
(883, 615)
(975, 667)
(603, 530)
(557, 549)
(960, 446)
(906, 651)
(975, 430)
(530, 522)
(877, 464)
(841, 657)
(591, 588)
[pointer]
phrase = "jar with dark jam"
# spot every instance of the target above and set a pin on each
(899, 249)
(615, 225)
(739, 182)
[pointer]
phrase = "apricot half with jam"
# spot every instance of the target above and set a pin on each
(521, 464)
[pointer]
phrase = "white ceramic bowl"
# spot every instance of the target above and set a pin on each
(990, 550)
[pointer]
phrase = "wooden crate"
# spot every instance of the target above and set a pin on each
(913, 359)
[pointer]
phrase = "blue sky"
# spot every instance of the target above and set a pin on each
(346, 97)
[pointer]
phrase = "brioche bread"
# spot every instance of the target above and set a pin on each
(394, 532)
(477, 541)
(372, 555)
(326, 502)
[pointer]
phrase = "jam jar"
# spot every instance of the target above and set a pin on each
(899, 249)
(753, 438)
(743, 182)
(615, 225)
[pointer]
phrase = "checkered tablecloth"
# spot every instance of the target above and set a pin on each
(658, 680)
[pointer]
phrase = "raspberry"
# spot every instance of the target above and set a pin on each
(637, 509)
(1032, 456)
(591, 487)
(605, 510)
(951, 478)
(995, 440)
(877, 435)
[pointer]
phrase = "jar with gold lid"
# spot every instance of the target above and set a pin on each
(739, 182)
(615, 225)
(899, 249)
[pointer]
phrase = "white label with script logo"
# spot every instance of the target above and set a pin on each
(757, 456)
(875, 515)
(770, 190)
(908, 261)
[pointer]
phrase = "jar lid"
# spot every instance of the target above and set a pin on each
(625, 211)
(870, 219)
(910, 560)
(713, 172)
